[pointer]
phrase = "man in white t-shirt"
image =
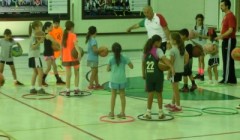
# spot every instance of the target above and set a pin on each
(155, 24)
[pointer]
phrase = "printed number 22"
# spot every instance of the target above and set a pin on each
(150, 65)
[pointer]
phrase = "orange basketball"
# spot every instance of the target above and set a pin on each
(74, 53)
(40, 35)
(2, 80)
(208, 48)
(236, 54)
(192, 34)
(197, 51)
(162, 66)
(55, 46)
(103, 51)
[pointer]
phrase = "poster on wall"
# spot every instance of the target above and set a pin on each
(34, 9)
(113, 9)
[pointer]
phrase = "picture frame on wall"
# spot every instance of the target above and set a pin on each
(113, 9)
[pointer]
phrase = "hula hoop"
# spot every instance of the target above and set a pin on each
(167, 117)
(39, 97)
(118, 120)
(81, 94)
(3, 136)
(218, 111)
(180, 114)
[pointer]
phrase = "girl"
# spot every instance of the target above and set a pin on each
(69, 42)
(200, 40)
(118, 80)
(152, 74)
(34, 60)
(49, 54)
(177, 54)
(213, 61)
(92, 60)
(6, 55)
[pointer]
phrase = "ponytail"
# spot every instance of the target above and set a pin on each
(68, 26)
(116, 48)
(91, 31)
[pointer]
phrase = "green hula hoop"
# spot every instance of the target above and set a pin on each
(220, 111)
(181, 114)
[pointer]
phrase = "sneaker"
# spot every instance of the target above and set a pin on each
(222, 81)
(44, 83)
(42, 92)
(215, 82)
(201, 78)
(161, 115)
(184, 89)
(197, 76)
(176, 109)
(60, 82)
(169, 106)
(33, 91)
(147, 115)
(238, 107)
(77, 91)
(193, 88)
(210, 82)
(111, 115)
(17, 83)
(98, 87)
(121, 115)
(90, 87)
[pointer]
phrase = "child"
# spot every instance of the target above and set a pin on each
(152, 74)
(177, 54)
(57, 34)
(34, 60)
(200, 40)
(213, 61)
(48, 54)
(118, 80)
(92, 60)
(188, 67)
(6, 55)
(70, 41)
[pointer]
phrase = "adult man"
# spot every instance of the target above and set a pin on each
(228, 35)
(154, 24)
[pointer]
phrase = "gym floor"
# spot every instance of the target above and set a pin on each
(208, 113)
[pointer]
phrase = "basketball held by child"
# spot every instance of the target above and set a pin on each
(103, 51)
(17, 50)
(162, 66)
(55, 46)
(39, 36)
(74, 53)
(236, 54)
(197, 51)
(208, 48)
(192, 34)
(2, 80)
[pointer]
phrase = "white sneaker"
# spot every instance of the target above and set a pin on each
(147, 115)
(238, 107)
(161, 115)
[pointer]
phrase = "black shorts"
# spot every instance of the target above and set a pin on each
(34, 62)
(156, 86)
(188, 68)
(213, 62)
(8, 63)
(176, 78)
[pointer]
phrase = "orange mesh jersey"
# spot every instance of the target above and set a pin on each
(57, 34)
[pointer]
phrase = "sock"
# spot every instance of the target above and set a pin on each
(179, 107)
(39, 88)
(67, 89)
(32, 87)
(160, 110)
(148, 110)
(76, 88)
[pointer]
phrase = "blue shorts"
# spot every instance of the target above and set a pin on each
(117, 86)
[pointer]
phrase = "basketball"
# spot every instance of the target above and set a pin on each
(192, 34)
(74, 53)
(103, 51)
(197, 51)
(55, 46)
(208, 48)
(162, 66)
(17, 50)
(236, 54)
(2, 80)
(40, 35)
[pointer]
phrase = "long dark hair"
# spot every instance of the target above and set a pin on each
(9, 33)
(68, 26)
(212, 34)
(46, 25)
(149, 44)
(199, 16)
(116, 49)
(176, 36)
(33, 25)
(91, 30)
